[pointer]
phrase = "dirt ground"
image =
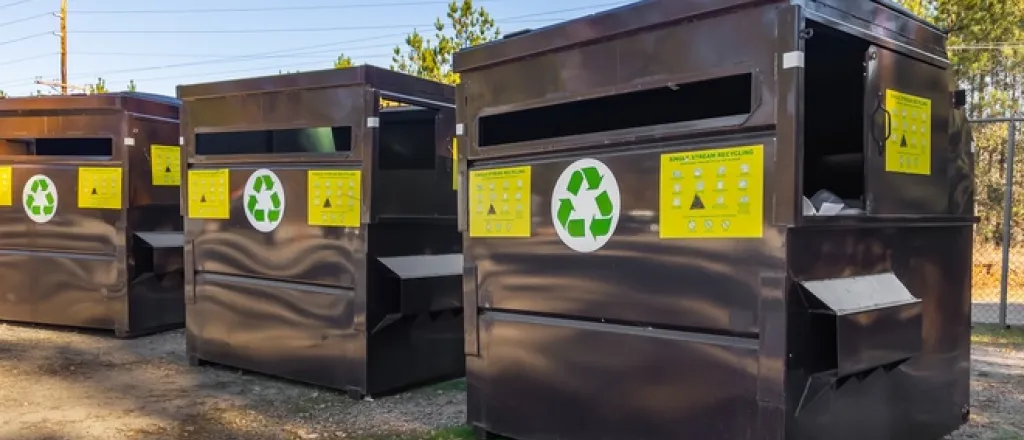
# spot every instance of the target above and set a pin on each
(62, 385)
(997, 388)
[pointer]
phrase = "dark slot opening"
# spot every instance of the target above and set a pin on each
(834, 115)
(406, 138)
(76, 147)
(315, 140)
(713, 98)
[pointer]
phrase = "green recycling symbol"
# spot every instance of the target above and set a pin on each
(39, 198)
(264, 200)
(585, 205)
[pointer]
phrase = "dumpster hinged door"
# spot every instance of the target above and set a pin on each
(906, 149)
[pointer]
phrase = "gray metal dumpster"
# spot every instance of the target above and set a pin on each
(90, 234)
(321, 238)
(716, 220)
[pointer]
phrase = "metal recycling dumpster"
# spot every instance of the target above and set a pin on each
(716, 220)
(321, 233)
(90, 234)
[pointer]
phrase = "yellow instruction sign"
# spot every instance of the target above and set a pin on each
(166, 164)
(335, 198)
(6, 186)
(209, 194)
(909, 147)
(499, 202)
(713, 193)
(99, 188)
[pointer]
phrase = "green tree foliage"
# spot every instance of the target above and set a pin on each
(2, 94)
(132, 87)
(343, 62)
(432, 58)
(99, 87)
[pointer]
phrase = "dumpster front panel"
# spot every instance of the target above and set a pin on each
(519, 107)
(630, 278)
(66, 189)
(275, 236)
(802, 323)
(291, 330)
(292, 268)
(541, 377)
(66, 194)
(236, 247)
(674, 283)
(296, 281)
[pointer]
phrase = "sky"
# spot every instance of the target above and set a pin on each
(163, 44)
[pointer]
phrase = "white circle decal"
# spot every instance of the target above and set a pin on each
(264, 200)
(39, 197)
(585, 205)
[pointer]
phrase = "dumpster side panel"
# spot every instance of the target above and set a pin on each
(155, 264)
(922, 398)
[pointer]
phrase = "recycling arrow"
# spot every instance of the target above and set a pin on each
(593, 177)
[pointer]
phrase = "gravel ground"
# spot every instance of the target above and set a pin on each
(997, 391)
(62, 385)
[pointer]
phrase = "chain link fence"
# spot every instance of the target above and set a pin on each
(997, 291)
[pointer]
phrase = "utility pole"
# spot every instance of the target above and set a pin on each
(64, 47)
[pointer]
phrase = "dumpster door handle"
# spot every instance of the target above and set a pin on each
(888, 125)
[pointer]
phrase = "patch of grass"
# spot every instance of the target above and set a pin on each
(457, 433)
(452, 385)
(453, 433)
(993, 334)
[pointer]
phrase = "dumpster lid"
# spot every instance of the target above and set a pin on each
(161, 240)
(424, 266)
(857, 294)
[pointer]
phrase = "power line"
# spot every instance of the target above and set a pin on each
(29, 37)
(268, 9)
(279, 30)
(327, 64)
(20, 2)
(29, 18)
(236, 57)
(515, 19)
(293, 50)
(36, 57)
(263, 54)
(214, 55)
